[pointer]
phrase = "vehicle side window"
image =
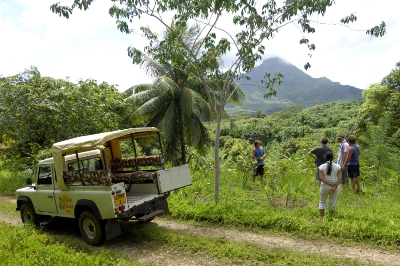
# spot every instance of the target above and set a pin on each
(88, 164)
(44, 175)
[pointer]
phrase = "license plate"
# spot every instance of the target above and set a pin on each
(119, 199)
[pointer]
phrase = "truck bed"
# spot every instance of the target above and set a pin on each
(134, 200)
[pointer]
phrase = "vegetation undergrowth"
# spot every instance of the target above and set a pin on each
(27, 246)
(12, 179)
(288, 203)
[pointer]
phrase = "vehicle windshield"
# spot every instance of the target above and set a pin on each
(86, 164)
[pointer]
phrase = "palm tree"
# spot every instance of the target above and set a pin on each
(175, 102)
(177, 111)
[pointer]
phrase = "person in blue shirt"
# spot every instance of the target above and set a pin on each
(352, 163)
(258, 154)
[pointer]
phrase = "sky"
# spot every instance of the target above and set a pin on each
(88, 45)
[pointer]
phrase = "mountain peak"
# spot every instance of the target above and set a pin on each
(275, 60)
(297, 87)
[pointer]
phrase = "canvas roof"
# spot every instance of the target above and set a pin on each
(97, 141)
(91, 142)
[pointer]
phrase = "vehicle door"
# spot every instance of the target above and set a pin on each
(45, 189)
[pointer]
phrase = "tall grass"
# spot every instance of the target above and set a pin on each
(289, 204)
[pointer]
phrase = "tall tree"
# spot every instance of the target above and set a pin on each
(253, 23)
(175, 102)
(382, 100)
(36, 111)
(175, 109)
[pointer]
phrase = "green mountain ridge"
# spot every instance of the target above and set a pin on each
(297, 88)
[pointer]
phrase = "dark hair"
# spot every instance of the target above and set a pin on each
(328, 156)
(329, 170)
(324, 140)
(351, 139)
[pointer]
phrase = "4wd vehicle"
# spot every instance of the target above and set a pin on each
(90, 179)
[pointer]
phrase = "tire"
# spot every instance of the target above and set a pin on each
(92, 230)
(28, 216)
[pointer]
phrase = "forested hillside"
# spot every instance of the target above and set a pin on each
(297, 88)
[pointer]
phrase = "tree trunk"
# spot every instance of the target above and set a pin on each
(217, 167)
(182, 136)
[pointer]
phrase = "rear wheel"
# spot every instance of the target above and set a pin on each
(91, 228)
(28, 216)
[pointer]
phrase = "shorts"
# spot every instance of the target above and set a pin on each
(353, 170)
(259, 170)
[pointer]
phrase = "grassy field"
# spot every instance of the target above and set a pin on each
(286, 204)
(59, 246)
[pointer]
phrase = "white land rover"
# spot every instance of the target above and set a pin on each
(89, 179)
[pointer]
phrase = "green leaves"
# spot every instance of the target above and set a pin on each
(348, 19)
(64, 11)
(307, 66)
(377, 31)
(37, 111)
(271, 83)
(175, 102)
(382, 100)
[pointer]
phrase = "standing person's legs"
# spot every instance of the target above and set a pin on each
(358, 184)
(333, 198)
(345, 176)
(255, 170)
(357, 178)
(353, 183)
(323, 192)
(318, 182)
(354, 172)
(261, 174)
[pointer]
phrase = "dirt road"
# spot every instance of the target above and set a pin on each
(167, 256)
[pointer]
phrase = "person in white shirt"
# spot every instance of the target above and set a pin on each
(330, 175)
(342, 156)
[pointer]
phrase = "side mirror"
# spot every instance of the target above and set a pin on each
(29, 183)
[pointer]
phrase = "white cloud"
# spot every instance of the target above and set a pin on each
(88, 45)
(343, 55)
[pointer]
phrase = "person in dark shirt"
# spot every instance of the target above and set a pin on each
(318, 154)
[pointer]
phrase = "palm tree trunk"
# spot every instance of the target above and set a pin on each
(181, 135)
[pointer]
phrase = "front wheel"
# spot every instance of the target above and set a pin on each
(28, 216)
(91, 228)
